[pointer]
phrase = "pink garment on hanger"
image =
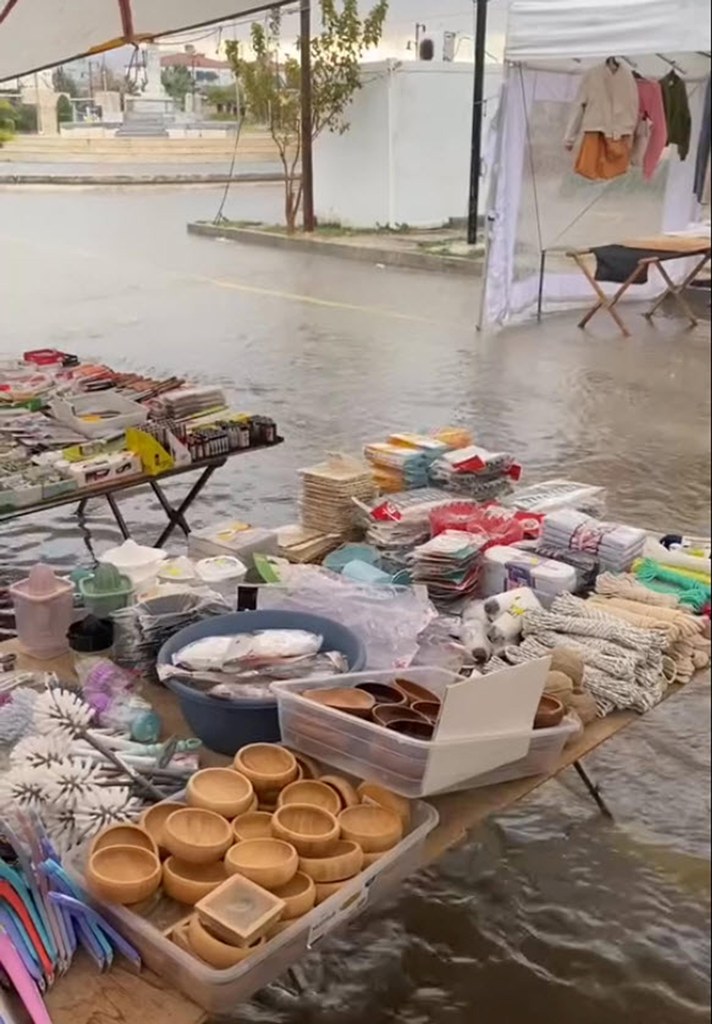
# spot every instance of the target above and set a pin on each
(652, 107)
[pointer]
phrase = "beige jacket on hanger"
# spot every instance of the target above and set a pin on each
(607, 102)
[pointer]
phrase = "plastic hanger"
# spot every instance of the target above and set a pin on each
(22, 981)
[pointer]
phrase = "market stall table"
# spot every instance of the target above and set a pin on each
(638, 256)
(84, 996)
(176, 515)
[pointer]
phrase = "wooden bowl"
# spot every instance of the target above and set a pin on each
(153, 821)
(268, 767)
(350, 701)
(299, 895)
(123, 835)
(281, 926)
(197, 836)
(311, 830)
(348, 797)
(222, 790)
(374, 828)
(382, 693)
(429, 709)
(179, 936)
(123, 874)
(384, 714)
(369, 859)
(372, 793)
(309, 767)
(214, 952)
(254, 825)
(270, 863)
(326, 889)
(188, 883)
(345, 861)
(550, 713)
(414, 730)
(316, 794)
(413, 692)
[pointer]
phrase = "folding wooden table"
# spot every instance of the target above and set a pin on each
(658, 251)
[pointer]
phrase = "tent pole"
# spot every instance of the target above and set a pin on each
(477, 102)
(306, 98)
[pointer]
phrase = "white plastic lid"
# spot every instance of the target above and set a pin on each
(221, 567)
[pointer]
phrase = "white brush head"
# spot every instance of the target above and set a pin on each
(61, 711)
(24, 788)
(16, 715)
(40, 751)
(69, 782)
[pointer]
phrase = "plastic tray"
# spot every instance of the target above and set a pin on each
(547, 746)
(413, 768)
(221, 992)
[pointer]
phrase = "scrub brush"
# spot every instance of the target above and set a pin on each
(101, 807)
(16, 714)
(24, 788)
(40, 751)
(70, 782)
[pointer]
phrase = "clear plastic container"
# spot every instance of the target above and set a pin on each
(547, 746)
(413, 768)
(233, 539)
(221, 992)
(504, 568)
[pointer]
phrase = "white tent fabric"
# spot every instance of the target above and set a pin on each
(36, 34)
(538, 208)
(542, 29)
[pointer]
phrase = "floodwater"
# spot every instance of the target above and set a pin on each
(550, 914)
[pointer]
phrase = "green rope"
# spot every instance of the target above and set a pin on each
(657, 577)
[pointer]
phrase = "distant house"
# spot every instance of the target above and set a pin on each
(206, 71)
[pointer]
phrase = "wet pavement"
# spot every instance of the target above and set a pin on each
(549, 914)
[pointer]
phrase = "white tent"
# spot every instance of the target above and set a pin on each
(36, 34)
(538, 208)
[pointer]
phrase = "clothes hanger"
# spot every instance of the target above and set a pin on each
(674, 66)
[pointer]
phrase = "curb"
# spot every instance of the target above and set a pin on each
(329, 247)
(132, 179)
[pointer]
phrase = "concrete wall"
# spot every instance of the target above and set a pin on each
(406, 158)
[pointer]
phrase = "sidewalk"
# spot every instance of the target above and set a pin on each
(444, 250)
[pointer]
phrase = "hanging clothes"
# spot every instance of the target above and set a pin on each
(677, 113)
(652, 108)
(602, 159)
(703, 148)
(607, 102)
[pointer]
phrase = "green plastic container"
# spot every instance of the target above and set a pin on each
(105, 591)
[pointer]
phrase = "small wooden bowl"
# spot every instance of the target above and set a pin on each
(550, 713)
(369, 859)
(311, 830)
(349, 701)
(372, 793)
(382, 693)
(214, 952)
(123, 874)
(309, 767)
(222, 790)
(345, 861)
(429, 709)
(268, 767)
(179, 936)
(384, 714)
(270, 863)
(153, 821)
(197, 836)
(282, 926)
(348, 797)
(299, 896)
(374, 828)
(326, 889)
(413, 692)
(316, 794)
(123, 835)
(254, 825)
(414, 730)
(188, 883)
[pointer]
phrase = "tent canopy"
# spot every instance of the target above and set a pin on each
(37, 34)
(546, 30)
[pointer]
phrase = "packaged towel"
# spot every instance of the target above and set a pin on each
(615, 545)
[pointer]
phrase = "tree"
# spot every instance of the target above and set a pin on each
(7, 121)
(223, 98)
(62, 81)
(177, 82)
(271, 84)
(65, 110)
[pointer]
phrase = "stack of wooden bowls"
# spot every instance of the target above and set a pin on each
(402, 707)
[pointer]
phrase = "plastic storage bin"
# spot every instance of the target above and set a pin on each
(504, 568)
(221, 992)
(485, 724)
(233, 539)
(99, 415)
(547, 746)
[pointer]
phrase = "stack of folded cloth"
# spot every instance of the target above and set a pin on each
(328, 494)
(190, 401)
(614, 545)
(476, 472)
(449, 565)
(402, 462)
(395, 524)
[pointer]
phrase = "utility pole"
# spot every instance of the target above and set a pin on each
(306, 97)
(477, 106)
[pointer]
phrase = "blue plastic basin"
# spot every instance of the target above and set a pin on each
(227, 726)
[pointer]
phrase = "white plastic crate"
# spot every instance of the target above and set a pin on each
(485, 722)
(221, 992)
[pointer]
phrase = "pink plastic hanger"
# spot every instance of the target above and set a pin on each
(24, 985)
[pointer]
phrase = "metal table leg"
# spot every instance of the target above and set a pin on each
(116, 511)
(176, 517)
(593, 789)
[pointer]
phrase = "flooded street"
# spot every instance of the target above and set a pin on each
(550, 914)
